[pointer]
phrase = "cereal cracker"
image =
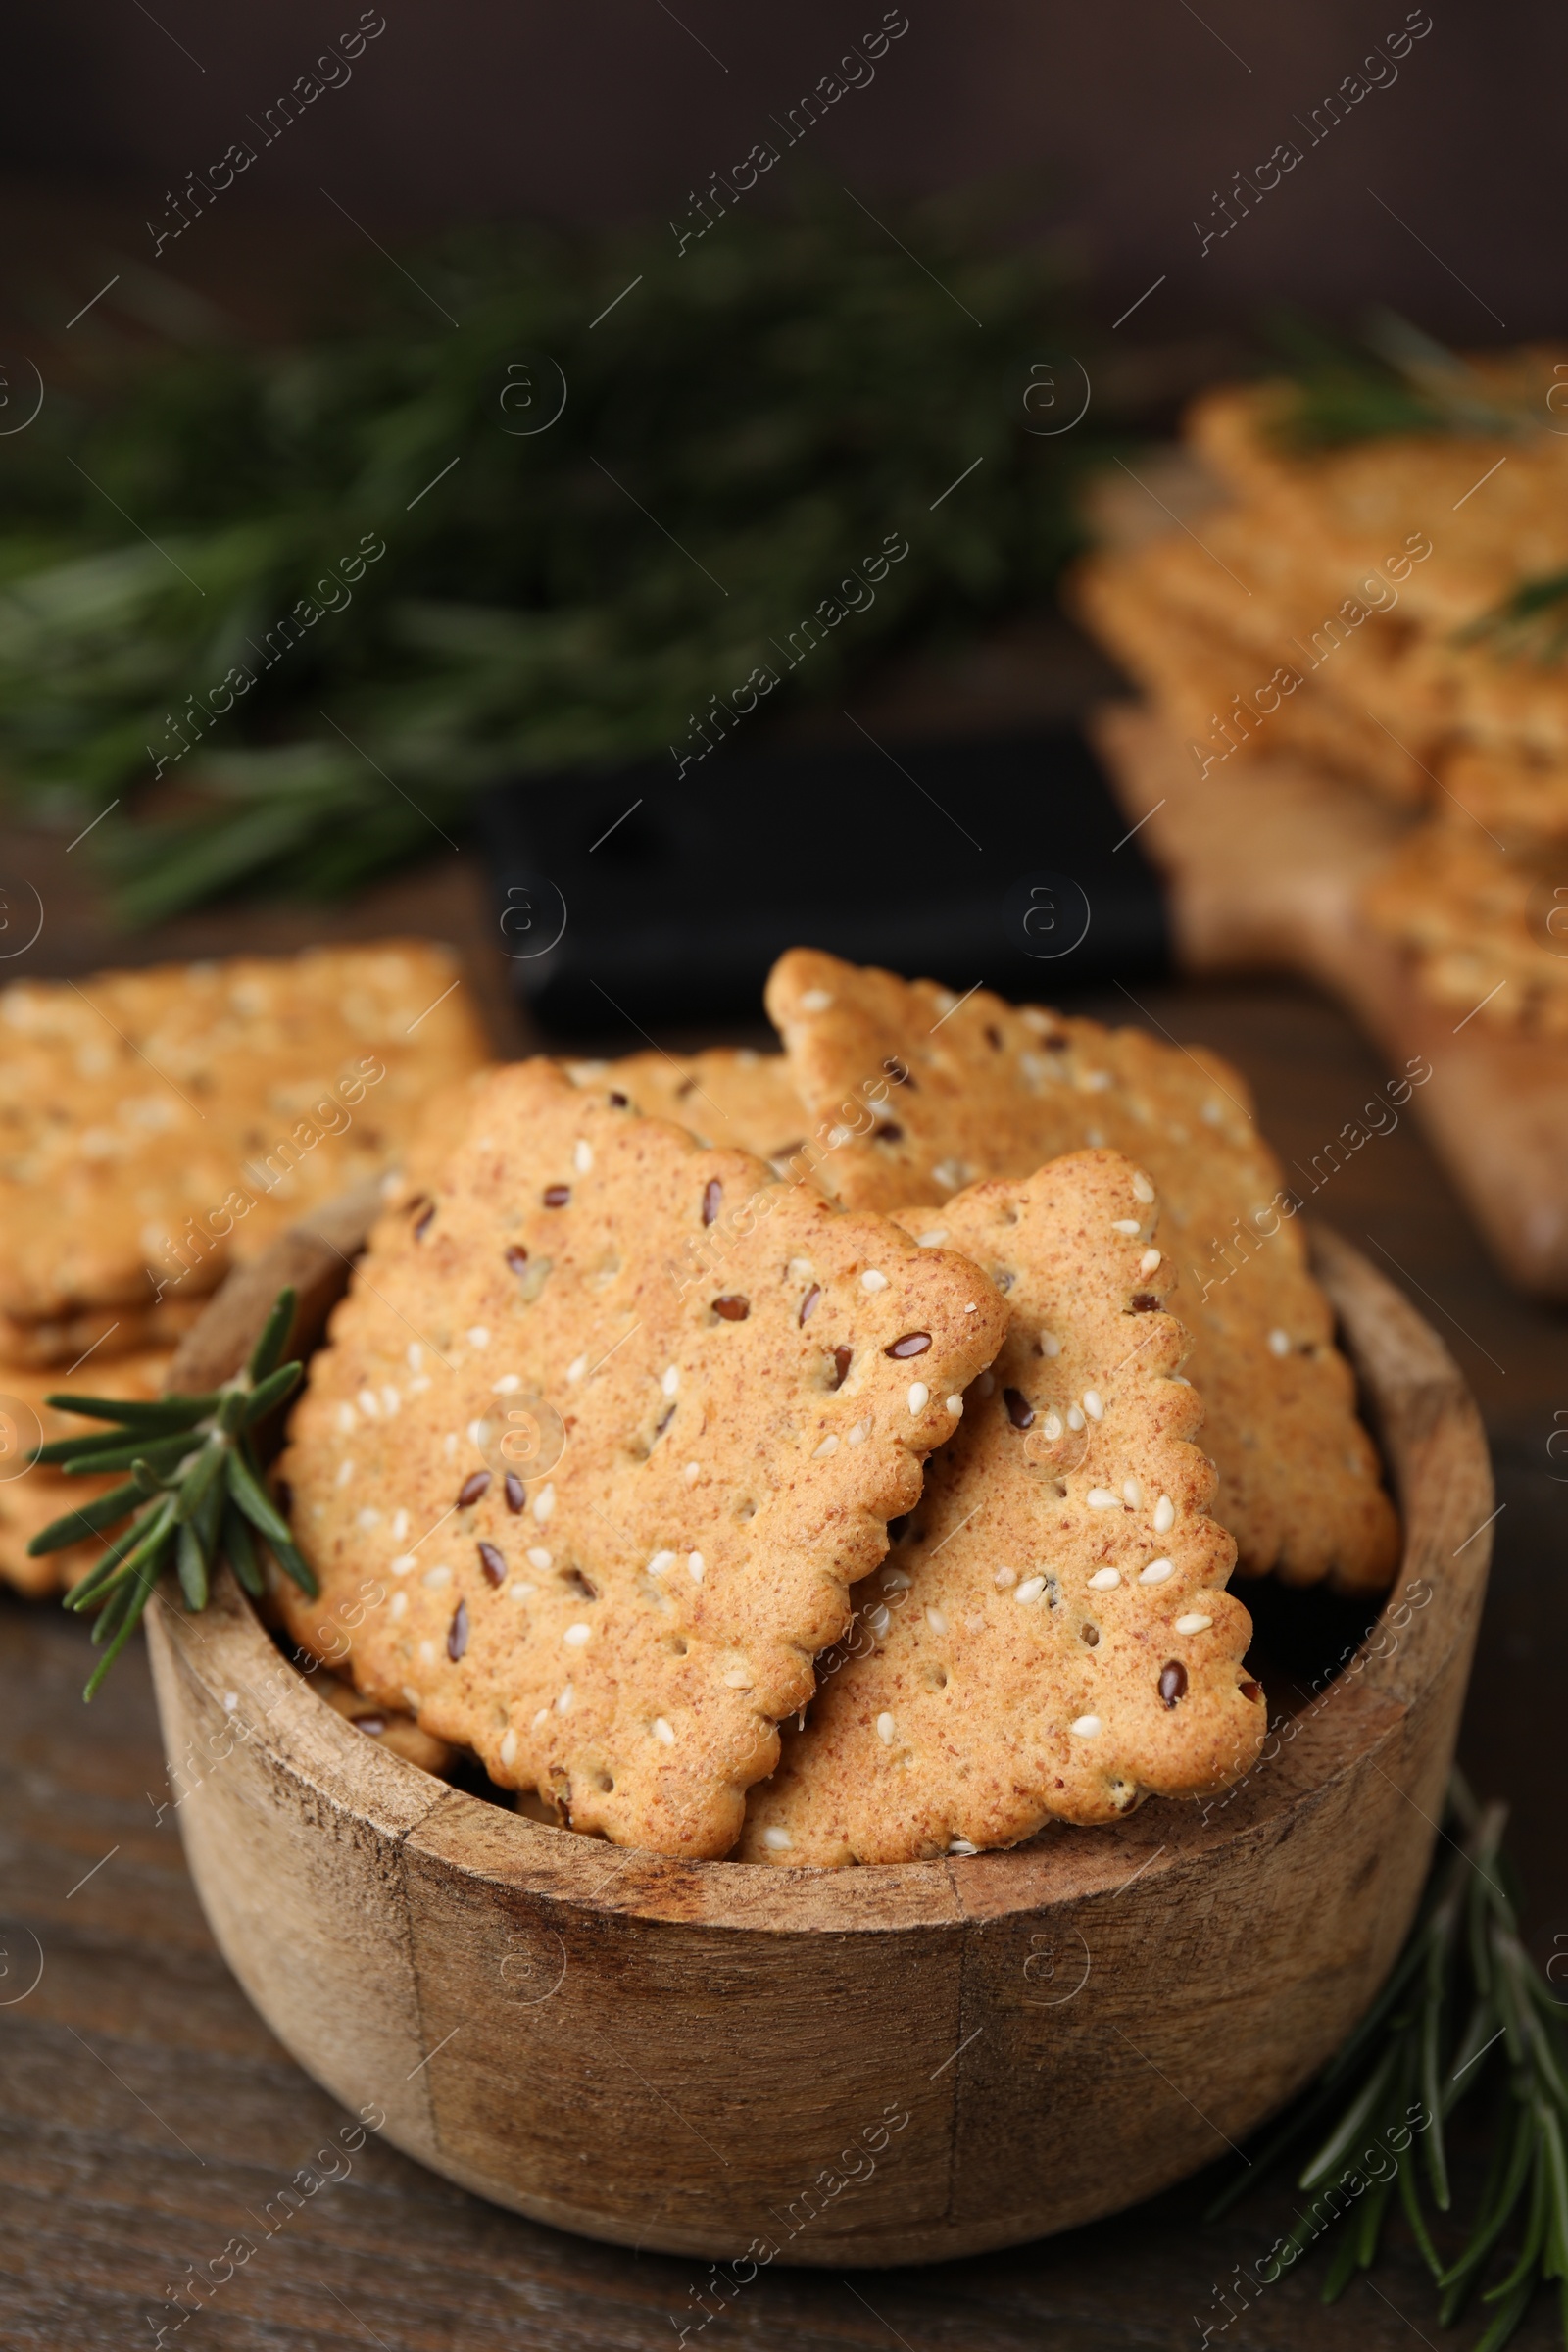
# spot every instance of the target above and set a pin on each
(1488, 932)
(726, 1095)
(932, 1093)
(157, 1125)
(604, 1432)
(100, 1333)
(31, 1500)
(1050, 1636)
(390, 1727)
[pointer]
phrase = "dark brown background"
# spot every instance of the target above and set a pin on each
(1139, 110)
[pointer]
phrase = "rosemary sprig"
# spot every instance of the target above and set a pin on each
(1464, 1998)
(780, 394)
(195, 1488)
(1392, 379)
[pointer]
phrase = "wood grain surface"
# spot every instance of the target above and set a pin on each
(147, 2116)
(1265, 867)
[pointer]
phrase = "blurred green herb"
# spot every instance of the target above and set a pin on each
(1392, 379)
(1532, 621)
(745, 423)
(195, 1486)
(1464, 2002)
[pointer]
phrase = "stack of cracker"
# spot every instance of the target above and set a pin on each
(921, 1384)
(1391, 613)
(157, 1127)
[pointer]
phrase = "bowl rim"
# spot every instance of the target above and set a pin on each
(1414, 1398)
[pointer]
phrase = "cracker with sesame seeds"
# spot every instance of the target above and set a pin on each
(1050, 1638)
(31, 1499)
(1488, 930)
(606, 1428)
(957, 1090)
(157, 1126)
(726, 1095)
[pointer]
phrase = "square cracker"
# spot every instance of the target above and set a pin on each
(605, 1431)
(1486, 929)
(951, 1091)
(103, 1332)
(728, 1095)
(156, 1126)
(30, 1499)
(1050, 1637)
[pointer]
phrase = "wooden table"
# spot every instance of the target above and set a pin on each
(147, 2116)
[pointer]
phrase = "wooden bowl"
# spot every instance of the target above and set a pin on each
(883, 2065)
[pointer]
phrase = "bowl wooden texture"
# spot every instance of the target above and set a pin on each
(883, 2065)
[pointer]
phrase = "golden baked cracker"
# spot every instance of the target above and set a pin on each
(604, 1433)
(1248, 671)
(1050, 1637)
(441, 1124)
(390, 1727)
(1517, 795)
(1512, 705)
(102, 1332)
(1357, 505)
(157, 1125)
(932, 1093)
(1489, 931)
(30, 1500)
(727, 1096)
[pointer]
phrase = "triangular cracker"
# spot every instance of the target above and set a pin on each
(959, 1089)
(747, 1381)
(1050, 1637)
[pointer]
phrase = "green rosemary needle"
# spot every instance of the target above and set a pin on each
(195, 1490)
(1464, 2000)
(1392, 380)
(1532, 621)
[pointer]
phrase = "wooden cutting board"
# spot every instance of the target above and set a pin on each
(1264, 868)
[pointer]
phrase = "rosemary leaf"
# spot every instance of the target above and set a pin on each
(1506, 2321)
(141, 1595)
(205, 1473)
(239, 1546)
(1496, 2205)
(87, 1591)
(195, 1494)
(1535, 2230)
(71, 1526)
(270, 1393)
(1350, 2125)
(165, 1453)
(1346, 2263)
(169, 1413)
(1433, 2023)
(255, 1502)
(268, 1348)
(1410, 2199)
(192, 1568)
